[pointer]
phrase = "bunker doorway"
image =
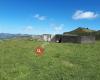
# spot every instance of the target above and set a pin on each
(59, 40)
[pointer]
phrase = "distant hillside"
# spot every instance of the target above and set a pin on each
(7, 35)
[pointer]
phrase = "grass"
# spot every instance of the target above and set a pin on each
(61, 61)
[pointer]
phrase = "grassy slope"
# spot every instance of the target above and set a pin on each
(81, 31)
(60, 61)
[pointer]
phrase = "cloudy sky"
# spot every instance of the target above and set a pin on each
(48, 16)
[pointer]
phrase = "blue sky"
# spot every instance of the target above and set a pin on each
(48, 16)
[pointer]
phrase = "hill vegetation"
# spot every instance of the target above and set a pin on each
(85, 32)
(81, 31)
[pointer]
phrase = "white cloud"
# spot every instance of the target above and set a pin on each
(41, 18)
(28, 29)
(84, 15)
(57, 28)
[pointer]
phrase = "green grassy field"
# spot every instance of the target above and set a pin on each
(61, 61)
